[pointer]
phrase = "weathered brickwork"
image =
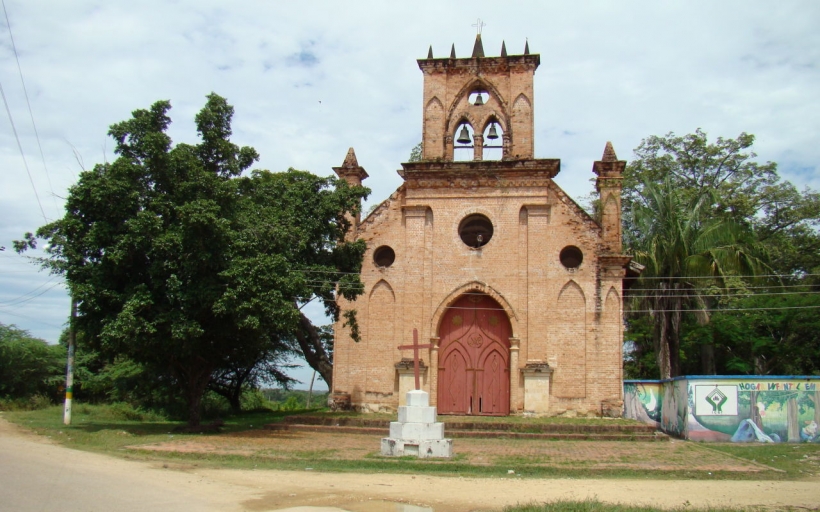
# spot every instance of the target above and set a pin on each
(543, 265)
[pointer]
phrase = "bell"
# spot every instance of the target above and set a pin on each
(464, 136)
(492, 134)
(479, 100)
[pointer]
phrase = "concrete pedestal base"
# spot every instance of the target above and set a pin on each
(537, 388)
(417, 433)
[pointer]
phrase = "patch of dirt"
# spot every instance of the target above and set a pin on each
(514, 453)
(269, 490)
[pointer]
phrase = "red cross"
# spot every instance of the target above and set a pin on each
(415, 346)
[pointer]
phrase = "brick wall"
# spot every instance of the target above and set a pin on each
(569, 318)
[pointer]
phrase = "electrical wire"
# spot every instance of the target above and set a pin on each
(22, 154)
(627, 293)
(28, 103)
(24, 298)
(38, 320)
(780, 276)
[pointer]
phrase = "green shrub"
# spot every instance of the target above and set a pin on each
(123, 411)
(254, 400)
(31, 403)
(29, 366)
(214, 406)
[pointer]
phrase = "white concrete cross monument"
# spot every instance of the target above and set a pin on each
(417, 432)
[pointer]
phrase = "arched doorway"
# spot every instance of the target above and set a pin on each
(474, 360)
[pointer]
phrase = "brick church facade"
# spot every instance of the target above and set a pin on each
(516, 291)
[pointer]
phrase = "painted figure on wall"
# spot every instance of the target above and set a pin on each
(642, 402)
(762, 415)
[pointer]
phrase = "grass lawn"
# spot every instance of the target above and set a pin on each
(244, 443)
(597, 506)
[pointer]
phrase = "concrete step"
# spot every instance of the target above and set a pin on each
(488, 430)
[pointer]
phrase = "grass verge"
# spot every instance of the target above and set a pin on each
(597, 506)
(124, 432)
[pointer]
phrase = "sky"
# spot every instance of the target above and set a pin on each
(310, 79)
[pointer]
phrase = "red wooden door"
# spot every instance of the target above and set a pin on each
(474, 358)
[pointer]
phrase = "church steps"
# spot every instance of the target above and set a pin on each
(468, 429)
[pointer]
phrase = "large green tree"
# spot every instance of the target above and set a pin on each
(681, 247)
(729, 201)
(750, 193)
(187, 266)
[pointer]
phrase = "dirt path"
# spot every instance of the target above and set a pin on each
(244, 490)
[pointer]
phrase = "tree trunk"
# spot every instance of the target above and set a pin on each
(817, 407)
(754, 411)
(662, 349)
(194, 377)
(707, 359)
(315, 354)
(668, 306)
(792, 422)
(235, 400)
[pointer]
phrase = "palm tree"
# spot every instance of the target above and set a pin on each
(684, 247)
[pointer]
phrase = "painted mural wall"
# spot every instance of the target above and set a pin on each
(729, 408)
(642, 401)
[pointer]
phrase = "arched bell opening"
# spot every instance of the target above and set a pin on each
(463, 145)
(493, 141)
(478, 97)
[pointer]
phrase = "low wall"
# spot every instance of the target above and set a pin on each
(769, 409)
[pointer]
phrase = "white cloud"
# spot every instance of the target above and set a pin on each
(310, 79)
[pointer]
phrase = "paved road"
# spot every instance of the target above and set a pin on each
(38, 476)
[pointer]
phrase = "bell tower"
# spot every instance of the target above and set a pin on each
(478, 103)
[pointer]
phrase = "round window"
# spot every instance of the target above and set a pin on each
(475, 230)
(571, 257)
(384, 256)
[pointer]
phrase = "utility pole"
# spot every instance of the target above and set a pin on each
(69, 378)
(310, 390)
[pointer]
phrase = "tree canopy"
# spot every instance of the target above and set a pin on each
(706, 218)
(180, 261)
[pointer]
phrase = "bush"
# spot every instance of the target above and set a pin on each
(31, 403)
(254, 400)
(29, 366)
(122, 411)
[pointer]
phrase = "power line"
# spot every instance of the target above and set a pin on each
(626, 295)
(717, 309)
(24, 298)
(38, 320)
(779, 286)
(28, 103)
(780, 276)
(719, 295)
(22, 154)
